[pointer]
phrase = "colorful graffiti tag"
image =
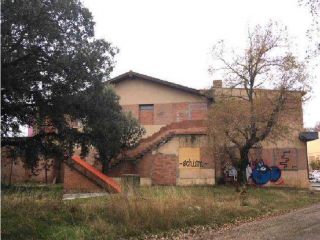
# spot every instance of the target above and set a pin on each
(262, 174)
(230, 173)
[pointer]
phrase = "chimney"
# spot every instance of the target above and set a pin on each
(217, 83)
(216, 89)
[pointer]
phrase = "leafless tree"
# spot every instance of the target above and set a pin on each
(313, 32)
(265, 84)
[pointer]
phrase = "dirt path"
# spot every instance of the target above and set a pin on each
(300, 224)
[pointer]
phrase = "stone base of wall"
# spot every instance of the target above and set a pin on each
(145, 182)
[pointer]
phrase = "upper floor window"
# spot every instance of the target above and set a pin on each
(146, 107)
(146, 114)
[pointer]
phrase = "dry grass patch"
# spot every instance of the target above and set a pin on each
(39, 212)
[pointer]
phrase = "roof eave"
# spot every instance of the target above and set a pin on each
(133, 75)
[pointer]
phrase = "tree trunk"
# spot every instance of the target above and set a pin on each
(105, 167)
(46, 171)
(57, 170)
(11, 170)
(244, 161)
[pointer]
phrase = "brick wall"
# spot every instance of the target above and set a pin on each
(163, 114)
(13, 170)
(144, 165)
(171, 112)
(122, 168)
(146, 117)
(181, 112)
(296, 158)
(133, 108)
(161, 168)
(164, 169)
(76, 182)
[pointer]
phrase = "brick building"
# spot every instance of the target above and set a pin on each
(175, 149)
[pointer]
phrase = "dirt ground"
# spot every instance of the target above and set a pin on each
(301, 224)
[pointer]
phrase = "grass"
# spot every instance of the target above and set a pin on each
(37, 212)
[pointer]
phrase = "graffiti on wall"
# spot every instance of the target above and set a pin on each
(271, 170)
(192, 163)
(230, 173)
(286, 158)
(190, 158)
(262, 174)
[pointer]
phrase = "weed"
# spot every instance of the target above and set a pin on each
(37, 212)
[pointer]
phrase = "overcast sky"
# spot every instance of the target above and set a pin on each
(171, 40)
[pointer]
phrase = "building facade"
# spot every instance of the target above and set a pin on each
(313, 151)
(175, 149)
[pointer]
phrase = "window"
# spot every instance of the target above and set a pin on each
(146, 112)
(146, 107)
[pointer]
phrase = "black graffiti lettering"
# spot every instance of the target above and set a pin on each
(192, 163)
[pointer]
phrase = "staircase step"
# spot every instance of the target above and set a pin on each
(165, 134)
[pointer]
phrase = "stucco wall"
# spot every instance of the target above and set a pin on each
(151, 129)
(138, 91)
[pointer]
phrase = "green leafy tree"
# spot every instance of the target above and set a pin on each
(315, 165)
(53, 72)
(106, 127)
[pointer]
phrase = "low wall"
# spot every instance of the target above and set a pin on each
(13, 170)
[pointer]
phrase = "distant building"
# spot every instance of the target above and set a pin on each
(314, 150)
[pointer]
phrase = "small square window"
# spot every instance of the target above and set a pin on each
(146, 114)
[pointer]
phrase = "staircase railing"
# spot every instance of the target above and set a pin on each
(161, 137)
(94, 174)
